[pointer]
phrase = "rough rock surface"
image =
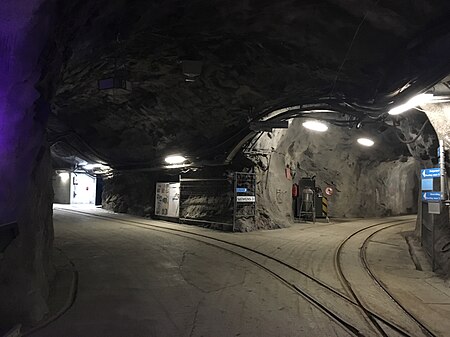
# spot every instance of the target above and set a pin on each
(25, 167)
(376, 181)
(25, 266)
(132, 193)
(439, 116)
(256, 56)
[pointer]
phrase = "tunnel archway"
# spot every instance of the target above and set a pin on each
(246, 73)
(369, 181)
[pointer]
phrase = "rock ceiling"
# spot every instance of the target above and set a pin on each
(256, 56)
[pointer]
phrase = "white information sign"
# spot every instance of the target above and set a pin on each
(245, 198)
(167, 201)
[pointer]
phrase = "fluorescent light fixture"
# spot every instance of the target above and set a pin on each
(413, 102)
(64, 176)
(175, 159)
(366, 141)
(95, 166)
(315, 126)
(174, 166)
(91, 166)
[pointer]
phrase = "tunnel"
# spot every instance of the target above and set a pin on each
(212, 168)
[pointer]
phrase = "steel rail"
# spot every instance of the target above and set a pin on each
(363, 257)
(144, 225)
(181, 233)
(349, 289)
(372, 316)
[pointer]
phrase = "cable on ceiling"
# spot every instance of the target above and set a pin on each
(416, 137)
(347, 54)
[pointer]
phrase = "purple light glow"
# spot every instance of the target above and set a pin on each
(23, 33)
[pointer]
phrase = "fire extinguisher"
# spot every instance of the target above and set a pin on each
(294, 190)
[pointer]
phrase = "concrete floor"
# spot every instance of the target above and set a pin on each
(136, 281)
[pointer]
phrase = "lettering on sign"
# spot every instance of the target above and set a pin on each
(245, 198)
(431, 196)
(431, 173)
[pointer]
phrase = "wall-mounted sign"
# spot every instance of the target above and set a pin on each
(329, 191)
(427, 184)
(241, 189)
(431, 173)
(434, 208)
(167, 200)
(431, 196)
(245, 198)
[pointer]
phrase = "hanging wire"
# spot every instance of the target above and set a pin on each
(416, 137)
(347, 54)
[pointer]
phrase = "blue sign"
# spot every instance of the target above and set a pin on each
(241, 189)
(431, 173)
(431, 196)
(427, 184)
(439, 152)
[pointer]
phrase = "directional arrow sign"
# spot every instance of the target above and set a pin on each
(431, 196)
(431, 173)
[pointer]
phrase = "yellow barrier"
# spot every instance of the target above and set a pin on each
(325, 206)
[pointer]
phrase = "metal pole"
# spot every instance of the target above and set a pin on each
(235, 200)
(442, 169)
(314, 207)
(433, 260)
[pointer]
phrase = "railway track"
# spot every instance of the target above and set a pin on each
(373, 318)
(260, 259)
(363, 257)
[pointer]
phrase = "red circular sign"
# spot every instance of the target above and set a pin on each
(329, 190)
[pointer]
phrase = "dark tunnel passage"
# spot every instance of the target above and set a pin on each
(226, 116)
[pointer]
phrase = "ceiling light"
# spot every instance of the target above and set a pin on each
(175, 166)
(91, 166)
(175, 159)
(413, 102)
(95, 166)
(315, 126)
(366, 141)
(64, 176)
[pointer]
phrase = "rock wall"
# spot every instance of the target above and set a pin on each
(132, 192)
(25, 169)
(439, 116)
(209, 201)
(368, 182)
(25, 266)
